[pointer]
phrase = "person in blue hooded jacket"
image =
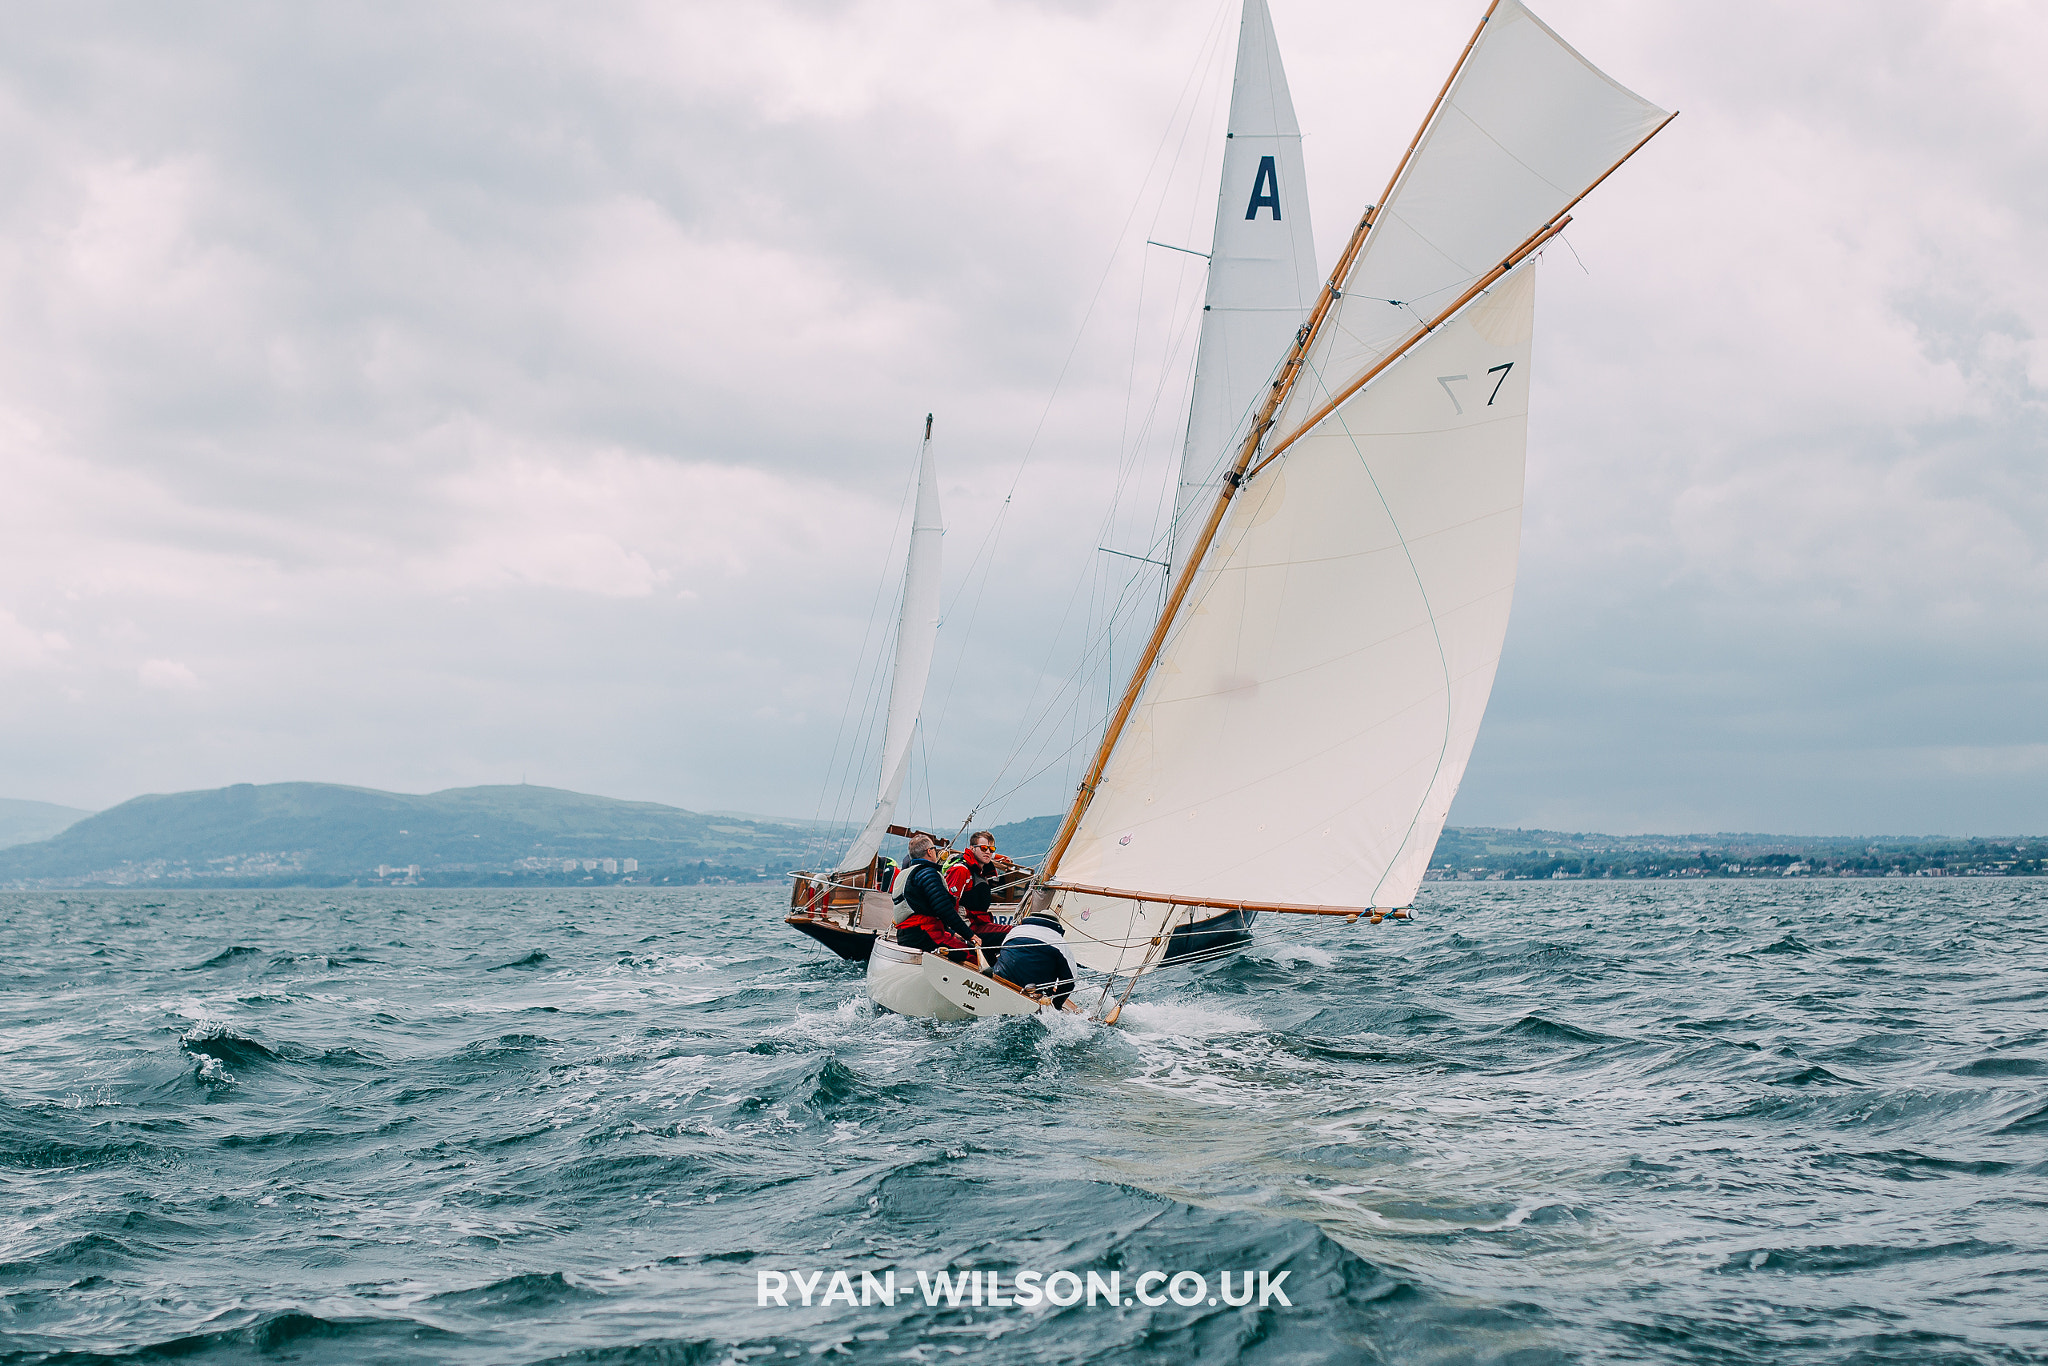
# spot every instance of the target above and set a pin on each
(1035, 955)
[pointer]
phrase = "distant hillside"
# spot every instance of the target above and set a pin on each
(24, 822)
(1477, 853)
(324, 833)
(1026, 841)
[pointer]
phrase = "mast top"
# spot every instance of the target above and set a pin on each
(927, 426)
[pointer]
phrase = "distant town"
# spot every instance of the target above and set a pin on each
(1494, 855)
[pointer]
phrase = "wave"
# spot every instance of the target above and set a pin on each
(293, 1331)
(98, 1251)
(239, 953)
(516, 1294)
(218, 1041)
(665, 1352)
(532, 960)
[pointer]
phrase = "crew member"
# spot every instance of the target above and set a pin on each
(927, 916)
(1036, 956)
(972, 881)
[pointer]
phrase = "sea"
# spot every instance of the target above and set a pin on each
(1699, 1122)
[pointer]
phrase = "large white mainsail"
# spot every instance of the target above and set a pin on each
(1262, 266)
(917, 635)
(1302, 717)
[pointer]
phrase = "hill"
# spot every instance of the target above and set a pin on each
(26, 822)
(324, 833)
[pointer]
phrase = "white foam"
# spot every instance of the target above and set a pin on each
(1185, 1019)
(1287, 955)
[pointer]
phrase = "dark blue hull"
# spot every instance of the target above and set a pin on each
(1219, 934)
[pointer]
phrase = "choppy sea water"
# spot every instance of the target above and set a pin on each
(1711, 1122)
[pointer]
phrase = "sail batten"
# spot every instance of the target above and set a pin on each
(917, 635)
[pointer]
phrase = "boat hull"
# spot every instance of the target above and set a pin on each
(852, 945)
(1222, 933)
(967, 990)
(896, 982)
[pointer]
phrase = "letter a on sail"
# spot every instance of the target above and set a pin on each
(1262, 266)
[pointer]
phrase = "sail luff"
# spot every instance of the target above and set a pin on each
(1261, 278)
(917, 631)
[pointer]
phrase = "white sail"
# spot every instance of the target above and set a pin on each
(917, 635)
(1310, 716)
(1316, 692)
(1262, 267)
(1527, 126)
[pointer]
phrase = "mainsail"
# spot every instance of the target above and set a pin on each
(1300, 720)
(1262, 267)
(917, 635)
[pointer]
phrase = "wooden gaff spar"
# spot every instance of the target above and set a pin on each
(1295, 728)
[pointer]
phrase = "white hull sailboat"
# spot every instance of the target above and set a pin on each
(1294, 730)
(1262, 280)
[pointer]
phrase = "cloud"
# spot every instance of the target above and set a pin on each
(471, 392)
(167, 675)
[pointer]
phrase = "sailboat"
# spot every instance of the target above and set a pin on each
(1299, 719)
(846, 909)
(1262, 279)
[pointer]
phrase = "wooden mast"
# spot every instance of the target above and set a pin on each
(1290, 370)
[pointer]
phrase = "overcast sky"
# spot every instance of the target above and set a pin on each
(417, 397)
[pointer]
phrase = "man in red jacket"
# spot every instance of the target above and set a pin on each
(971, 880)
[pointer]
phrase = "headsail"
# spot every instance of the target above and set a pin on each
(1262, 266)
(1303, 713)
(917, 635)
(1525, 128)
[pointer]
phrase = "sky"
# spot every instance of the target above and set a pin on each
(418, 397)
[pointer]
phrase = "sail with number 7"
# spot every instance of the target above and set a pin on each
(1299, 721)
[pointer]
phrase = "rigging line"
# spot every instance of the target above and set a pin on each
(992, 537)
(1076, 682)
(1203, 57)
(1137, 200)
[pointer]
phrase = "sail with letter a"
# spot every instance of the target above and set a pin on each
(1262, 265)
(1294, 734)
(917, 636)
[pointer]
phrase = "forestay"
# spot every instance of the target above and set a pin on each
(917, 635)
(1311, 713)
(1525, 127)
(1262, 266)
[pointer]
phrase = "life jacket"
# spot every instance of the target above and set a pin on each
(899, 888)
(933, 912)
